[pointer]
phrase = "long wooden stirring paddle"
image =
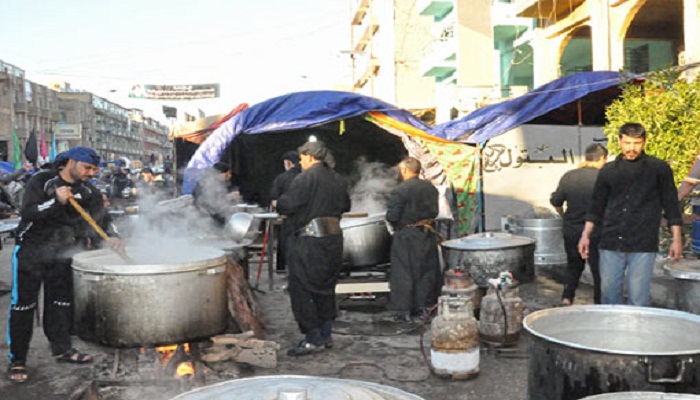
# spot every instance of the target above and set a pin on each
(98, 229)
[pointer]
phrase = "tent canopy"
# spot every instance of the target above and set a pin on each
(292, 118)
(488, 122)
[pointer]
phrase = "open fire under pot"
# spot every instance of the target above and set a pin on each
(173, 295)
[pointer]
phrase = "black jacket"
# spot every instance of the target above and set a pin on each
(628, 200)
(317, 192)
(412, 201)
(282, 182)
(576, 190)
(54, 228)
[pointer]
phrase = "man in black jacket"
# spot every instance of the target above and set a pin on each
(630, 195)
(576, 190)
(314, 203)
(415, 279)
(49, 233)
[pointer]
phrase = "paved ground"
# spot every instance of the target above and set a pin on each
(366, 348)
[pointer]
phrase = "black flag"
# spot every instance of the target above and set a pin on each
(31, 152)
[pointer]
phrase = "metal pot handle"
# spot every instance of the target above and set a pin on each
(650, 371)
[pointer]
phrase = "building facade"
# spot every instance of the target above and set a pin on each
(632, 35)
(25, 107)
(387, 42)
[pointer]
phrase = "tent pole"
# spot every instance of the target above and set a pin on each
(578, 128)
(480, 188)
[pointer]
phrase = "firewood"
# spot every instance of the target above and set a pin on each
(263, 358)
(242, 303)
(251, 343)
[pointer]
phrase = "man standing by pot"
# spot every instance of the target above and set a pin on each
(49, 233)
(314, 203)
(628, 199)
(576, 190)
(415, 267)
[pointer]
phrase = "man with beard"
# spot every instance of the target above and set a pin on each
(629, 196)
(280, 186)
(314, 203)
(49, 233)
(415, 267)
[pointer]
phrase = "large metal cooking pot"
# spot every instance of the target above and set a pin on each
(643, 396)
(687, 276)
(297, 387)
(585, 350)
(548, 235)
(174, 294)
(366, 240)
(485, 255)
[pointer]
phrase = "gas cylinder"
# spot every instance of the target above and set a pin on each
(455, 339)
(494, 328)
(459, 283)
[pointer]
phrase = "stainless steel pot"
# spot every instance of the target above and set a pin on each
(643, 396)
(366, 240)
(687, 276)
(585, 350)
(297, 387)
(175, 294)
(548, 235)
(485, 255)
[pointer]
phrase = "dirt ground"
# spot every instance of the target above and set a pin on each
(367, 348)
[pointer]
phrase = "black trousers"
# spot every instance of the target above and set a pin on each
(575, 265)
(29, 273)
(313, 268)
(415, 277)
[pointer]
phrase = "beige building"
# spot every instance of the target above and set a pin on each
(24, 106)
(633, 35)
(387, 42)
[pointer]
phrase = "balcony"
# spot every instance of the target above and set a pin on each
(369, 70)
(507, 26)
(20, 107)
(441, 62)
(360, 10)
(367, 35)
(437, 9)
(32, 111)
(545, 9)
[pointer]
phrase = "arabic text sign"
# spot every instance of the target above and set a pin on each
(175, 92)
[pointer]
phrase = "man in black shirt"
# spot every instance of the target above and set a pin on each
(415, 267)
(314, 203)
(280, 186)
(48, 235)
(576, 190)
(629, 196)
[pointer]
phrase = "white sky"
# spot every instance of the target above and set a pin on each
(256, 49)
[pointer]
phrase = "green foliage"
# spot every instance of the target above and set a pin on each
(669, 108)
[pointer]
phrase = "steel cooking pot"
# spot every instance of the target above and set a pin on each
(243, 226)
(485, 255)
(366, 240)
(297, 387)
(174, 293)
(585, 350)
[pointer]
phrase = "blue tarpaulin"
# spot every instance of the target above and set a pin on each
(284, 113)
(7, 167)
(488, 122)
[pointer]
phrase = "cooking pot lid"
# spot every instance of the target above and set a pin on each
(684, 269)
(488, 241)
(297, 387)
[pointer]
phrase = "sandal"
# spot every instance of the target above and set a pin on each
(74, 356)
(17, 373)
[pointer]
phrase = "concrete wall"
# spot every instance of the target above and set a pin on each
(514, 185)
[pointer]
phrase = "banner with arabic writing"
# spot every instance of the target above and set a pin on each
(175, 92)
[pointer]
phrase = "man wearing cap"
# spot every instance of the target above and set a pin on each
(49, 233)
(314, 203)
(280, 186)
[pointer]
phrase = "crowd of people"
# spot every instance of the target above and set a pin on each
(612, 214)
